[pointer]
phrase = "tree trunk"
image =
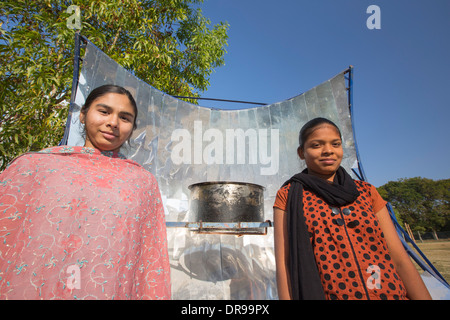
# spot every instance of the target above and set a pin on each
(435, 235)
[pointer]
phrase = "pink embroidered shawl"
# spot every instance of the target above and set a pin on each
(79, 224)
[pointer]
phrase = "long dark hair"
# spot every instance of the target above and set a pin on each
(105, 89)
(309, 128)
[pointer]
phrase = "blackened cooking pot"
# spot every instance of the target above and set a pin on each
(224, 201)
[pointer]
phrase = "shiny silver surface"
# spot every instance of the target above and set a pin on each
(184, 144)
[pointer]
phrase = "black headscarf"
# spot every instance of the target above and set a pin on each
(304, 276)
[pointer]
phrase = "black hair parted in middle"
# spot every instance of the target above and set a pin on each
(310, 126)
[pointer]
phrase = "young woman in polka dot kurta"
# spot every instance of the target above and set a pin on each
(334, 238)
(84, 222)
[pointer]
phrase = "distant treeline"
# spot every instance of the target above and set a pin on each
(423, 204)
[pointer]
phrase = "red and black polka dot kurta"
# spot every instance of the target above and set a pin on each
(349, 247)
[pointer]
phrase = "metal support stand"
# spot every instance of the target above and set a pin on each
(79, 40)
(236, 228)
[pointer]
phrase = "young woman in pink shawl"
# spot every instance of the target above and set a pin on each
(84, 222)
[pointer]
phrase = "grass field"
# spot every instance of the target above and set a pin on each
(438, 252)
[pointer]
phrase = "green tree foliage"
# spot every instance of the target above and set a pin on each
(422, 203)
(167, 43)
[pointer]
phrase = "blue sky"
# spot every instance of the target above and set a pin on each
(279, 49)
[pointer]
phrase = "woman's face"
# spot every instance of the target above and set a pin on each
(322, 152)
(108, 122)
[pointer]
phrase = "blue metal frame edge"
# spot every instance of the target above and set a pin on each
(421, 260)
